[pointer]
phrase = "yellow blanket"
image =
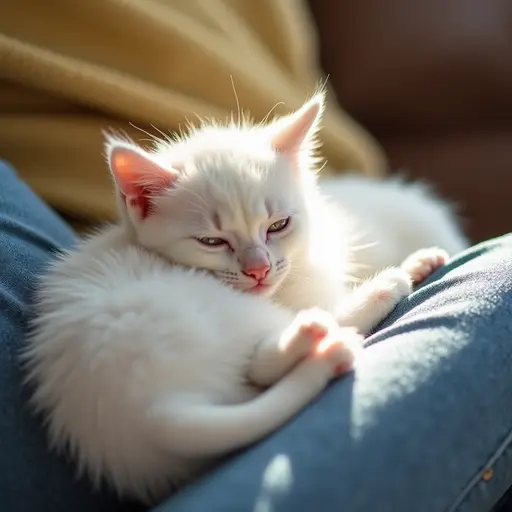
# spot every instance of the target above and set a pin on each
(72, 68)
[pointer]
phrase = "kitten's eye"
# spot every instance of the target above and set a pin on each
(212, 241)
(278, 225)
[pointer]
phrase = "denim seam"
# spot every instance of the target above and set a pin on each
(478, 476)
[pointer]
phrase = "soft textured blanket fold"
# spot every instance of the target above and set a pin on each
(70, 69)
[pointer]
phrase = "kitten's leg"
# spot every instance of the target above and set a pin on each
(195, 430)
(374, 299)
(276, 355)
(420, 264)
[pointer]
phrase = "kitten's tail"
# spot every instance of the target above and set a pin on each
(215, 430)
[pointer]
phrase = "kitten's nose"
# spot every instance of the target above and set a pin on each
(257, 272)
(255, 262)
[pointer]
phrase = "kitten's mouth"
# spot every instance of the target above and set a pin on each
(258, 288)
(261, 289)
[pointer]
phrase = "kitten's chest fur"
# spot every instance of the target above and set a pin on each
(320, 269)
(309, 286)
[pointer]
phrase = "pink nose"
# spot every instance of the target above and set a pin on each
(257, 272)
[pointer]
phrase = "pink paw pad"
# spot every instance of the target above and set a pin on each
(343, 368)
(314, 325)
(424, 262)
(342, 347)
(314, 331)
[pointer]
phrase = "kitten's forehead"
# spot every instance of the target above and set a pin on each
(228, 160)
(251, 143)
(230, 194)
(228, 181)
(234, 166)
(231, 179)
(235, 202)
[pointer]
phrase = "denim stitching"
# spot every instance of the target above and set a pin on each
(478, 477)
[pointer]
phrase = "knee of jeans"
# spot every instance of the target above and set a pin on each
(496, 260)
(488, 262)
(505, 241)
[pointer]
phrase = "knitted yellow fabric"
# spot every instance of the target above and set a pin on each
(70, 69)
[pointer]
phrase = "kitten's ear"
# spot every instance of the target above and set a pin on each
(138, 176)
(297, 131)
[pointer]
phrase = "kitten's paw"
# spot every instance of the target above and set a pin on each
(374, 299)
(420, 264)
(317, 332)
(390, 286)
(309, 328)
(314, 324)
(339, 350)
(333, 356)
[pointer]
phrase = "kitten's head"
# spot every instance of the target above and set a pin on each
(231, 200)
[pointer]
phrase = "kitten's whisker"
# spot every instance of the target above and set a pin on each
(180, 132)
(154, 138)
(191, 126)
(197, 196)
(358, 265)
(369, 245)
(147, 140)
(321, 168)
(355, 236)
(296, 272)
(353, 279)
(265, 119)
(166, 136)
(237, 101)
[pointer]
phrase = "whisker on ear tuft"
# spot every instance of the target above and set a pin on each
(321, 168)
(166, 136)
(265, 119)
(237, 101)
(153, 138)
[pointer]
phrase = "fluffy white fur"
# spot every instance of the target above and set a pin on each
(183, 332)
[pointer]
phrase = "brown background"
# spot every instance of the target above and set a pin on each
(432, 81)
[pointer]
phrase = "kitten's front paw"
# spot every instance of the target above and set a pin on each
(339, 349)
(313, 325)
(332, 357)
(318, 332)
(390, 286)
(308, 328)
(420, 264)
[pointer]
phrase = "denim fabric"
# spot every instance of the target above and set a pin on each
(413, 430)
(31, 479)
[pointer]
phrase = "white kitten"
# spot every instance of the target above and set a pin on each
(146, 364)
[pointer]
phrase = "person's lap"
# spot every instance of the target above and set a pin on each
(427, 411)
(31, 479)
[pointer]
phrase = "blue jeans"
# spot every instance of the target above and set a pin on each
(424, 425)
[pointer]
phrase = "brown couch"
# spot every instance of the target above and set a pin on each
(433, 82)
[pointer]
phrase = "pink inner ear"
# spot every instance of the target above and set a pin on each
(138, 177)
(295, 129)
